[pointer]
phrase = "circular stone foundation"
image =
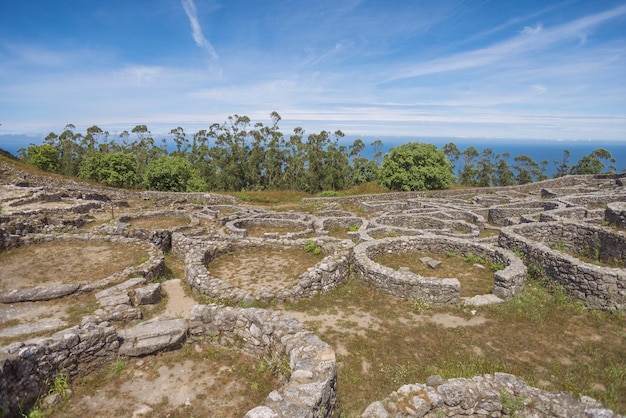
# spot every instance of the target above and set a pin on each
(507, 282)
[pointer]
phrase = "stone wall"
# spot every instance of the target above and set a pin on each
(615, 214)
(330, 272)
(599, 287)
(150, 269)
(494, 395)
(311, 389)
(238, 227)
(507, 283)
(27, 368)
(565, 181)
(500, 215)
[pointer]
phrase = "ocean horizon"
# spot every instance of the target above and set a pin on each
(537, 149)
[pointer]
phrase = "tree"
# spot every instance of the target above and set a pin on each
(452, 154)
(486, 168)
(503, 175)
(562, 167)
(416, 166)
(45, 157)
(592, 164)
(173, 173)
(527, 169)
(468, 174)
(116, 169)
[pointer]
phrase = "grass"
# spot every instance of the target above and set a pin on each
(41, 264)
(544, 338)
(474, 280)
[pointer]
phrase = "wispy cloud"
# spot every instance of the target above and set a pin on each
(196, 29)
(529, 39)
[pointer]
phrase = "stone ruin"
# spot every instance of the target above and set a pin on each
(539, 225)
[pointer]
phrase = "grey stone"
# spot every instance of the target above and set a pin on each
(375, 410)
(482, 300)
(31, 328)
(152, 336)
(434, 380)
(114, 300)
(148, 295)
(261, 412)
(434, 264)
(135, 281)
(39, 293)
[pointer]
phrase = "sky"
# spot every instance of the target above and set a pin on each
(532, 69)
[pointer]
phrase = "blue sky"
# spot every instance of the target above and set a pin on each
(449, 68)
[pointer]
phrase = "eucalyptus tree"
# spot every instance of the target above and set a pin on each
(593, 162)
(467, 175)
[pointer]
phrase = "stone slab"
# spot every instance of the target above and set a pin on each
(39, 293)
(152, 336)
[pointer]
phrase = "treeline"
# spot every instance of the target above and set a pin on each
(238, 155)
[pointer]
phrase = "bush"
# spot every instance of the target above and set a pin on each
(416, 166)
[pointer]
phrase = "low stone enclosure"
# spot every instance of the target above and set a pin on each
(330, 272)
(546, 247)
(310, 390)
(149, 269)
(551, 221)
(404, 284)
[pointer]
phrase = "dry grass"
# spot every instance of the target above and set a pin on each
(66, 262)
(475, 280)
(258, 231)
(545, 339)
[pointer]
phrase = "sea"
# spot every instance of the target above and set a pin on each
(538, 150)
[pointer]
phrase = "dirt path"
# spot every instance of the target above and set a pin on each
(178, 303)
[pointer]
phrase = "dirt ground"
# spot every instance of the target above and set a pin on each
(256, 268)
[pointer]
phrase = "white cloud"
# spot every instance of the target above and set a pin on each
(529, 40)
(196, 29)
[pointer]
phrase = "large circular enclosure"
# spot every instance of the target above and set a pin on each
(407, 267)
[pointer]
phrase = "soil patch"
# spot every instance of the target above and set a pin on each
(66, 262)
(256, 268)
(198, 380)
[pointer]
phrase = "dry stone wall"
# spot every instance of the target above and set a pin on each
(599, 287)
(28, 367)
(507, 282)
(330, 272)
(494, 395)
(311, 389)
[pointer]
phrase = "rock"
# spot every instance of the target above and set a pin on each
(375, 410)
(482, 300)
(434, 380)
(135, 281)
(425, 260)
(148, 295)
(434, 264)
(261, 412)
(152, 336)
(114, 300)
(31, 328)
(39, 293)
